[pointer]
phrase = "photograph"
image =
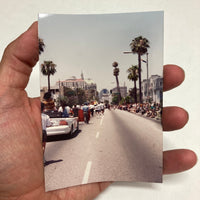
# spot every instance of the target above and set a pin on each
(101, 92)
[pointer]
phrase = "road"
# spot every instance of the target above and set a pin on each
(118, 146)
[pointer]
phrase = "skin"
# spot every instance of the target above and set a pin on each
(21, 166)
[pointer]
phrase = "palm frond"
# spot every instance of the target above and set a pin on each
(41, 45)
(139, 45)
(48, 68)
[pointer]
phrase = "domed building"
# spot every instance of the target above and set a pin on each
(104, 95)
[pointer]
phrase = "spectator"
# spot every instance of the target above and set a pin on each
(48, 102)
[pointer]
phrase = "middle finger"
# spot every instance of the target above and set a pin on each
(174, 118)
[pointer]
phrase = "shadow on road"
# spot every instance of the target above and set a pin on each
(51, 162)
(54, 138)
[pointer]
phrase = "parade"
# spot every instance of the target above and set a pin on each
(102, 100)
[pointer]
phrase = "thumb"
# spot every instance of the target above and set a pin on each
(19, 58)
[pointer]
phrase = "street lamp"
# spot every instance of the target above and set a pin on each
(59, 92)
(147, 63)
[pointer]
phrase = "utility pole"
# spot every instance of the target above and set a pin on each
(59, 91)
(147, 76)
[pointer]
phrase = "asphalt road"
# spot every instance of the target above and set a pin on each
(119, 146)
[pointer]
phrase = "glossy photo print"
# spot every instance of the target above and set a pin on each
(101, 97)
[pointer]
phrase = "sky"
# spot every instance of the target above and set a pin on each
(91, 43)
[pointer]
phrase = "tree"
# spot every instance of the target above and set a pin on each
(62, 101)
(115, 99)
(123, 101)
(133, 76)
(68, 92)
(71, 96)
(116, 74)
(81, 96)
(91, 94)
(48, 68)
(41, 45)
(139, 46)
(132, 95)
(128, 99)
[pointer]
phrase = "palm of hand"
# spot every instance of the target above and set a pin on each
(21, 146)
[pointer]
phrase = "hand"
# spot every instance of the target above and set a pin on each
(21, 167)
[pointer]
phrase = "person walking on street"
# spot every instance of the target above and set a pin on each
(92, 109)
(102, 108)
(85, 113)
(98, 110)
(75, 111)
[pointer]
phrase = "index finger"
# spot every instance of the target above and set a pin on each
(173, 76)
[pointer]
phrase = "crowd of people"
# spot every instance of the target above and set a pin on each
(83, 112)
(151, 110)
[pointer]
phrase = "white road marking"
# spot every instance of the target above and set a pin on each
(87, 172)
(97, 135)
(101, 122)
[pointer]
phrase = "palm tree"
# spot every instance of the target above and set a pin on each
(48, 68)
(41, 45)
(116, 74)
(139, 46)
(133, 76)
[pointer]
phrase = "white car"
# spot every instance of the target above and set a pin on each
(60, 125)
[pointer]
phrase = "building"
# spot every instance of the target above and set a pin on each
(88, 85)
(153, 90)
(74, 83)
(104, 95)
(123, 91)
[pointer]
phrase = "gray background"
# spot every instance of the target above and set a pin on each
(181, 46)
